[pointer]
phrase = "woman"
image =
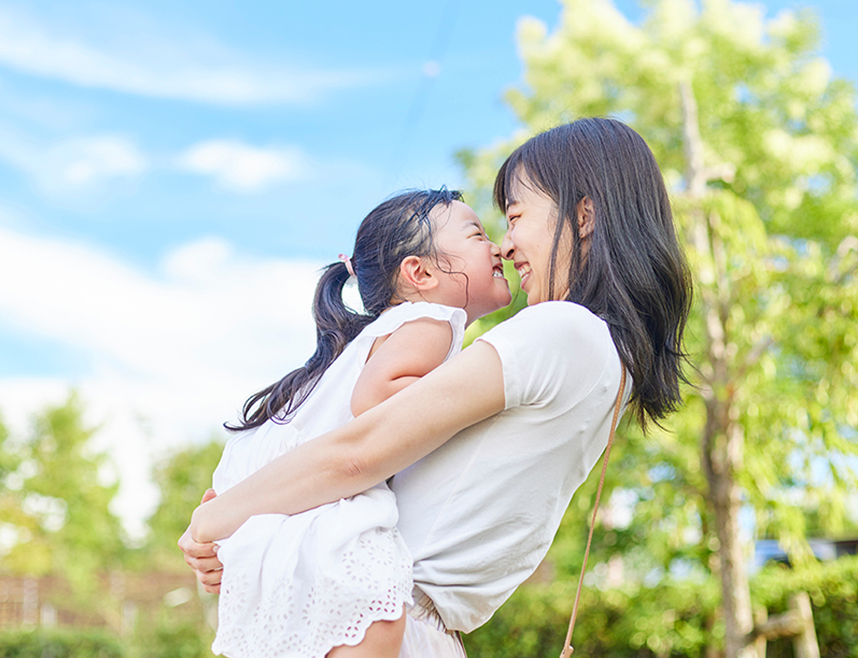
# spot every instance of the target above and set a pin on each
(489, 448)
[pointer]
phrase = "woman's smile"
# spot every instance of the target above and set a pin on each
(523, 270)
(529, 241)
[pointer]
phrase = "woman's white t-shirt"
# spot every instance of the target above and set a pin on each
(479, 513)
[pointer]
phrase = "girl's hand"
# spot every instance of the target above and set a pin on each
(201, 557)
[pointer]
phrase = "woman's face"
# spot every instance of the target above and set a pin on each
(531, 221)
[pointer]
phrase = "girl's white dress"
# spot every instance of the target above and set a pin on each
(300, 585)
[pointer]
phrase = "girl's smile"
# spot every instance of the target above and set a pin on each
(470, 266)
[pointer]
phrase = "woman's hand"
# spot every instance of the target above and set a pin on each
(202, 557)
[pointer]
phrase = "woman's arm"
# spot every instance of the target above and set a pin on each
(381, 442)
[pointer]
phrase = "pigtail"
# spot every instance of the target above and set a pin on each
(336, 326)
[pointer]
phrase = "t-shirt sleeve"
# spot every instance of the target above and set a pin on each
(549, 351)
(456, 317)
(399, 315)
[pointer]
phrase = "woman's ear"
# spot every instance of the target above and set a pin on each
(586, 217)
(417, 273)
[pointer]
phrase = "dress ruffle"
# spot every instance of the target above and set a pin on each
(326, 575)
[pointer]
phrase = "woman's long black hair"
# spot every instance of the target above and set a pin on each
(633, 274)
(398, 228)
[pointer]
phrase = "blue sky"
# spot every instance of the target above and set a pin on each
(173, 174)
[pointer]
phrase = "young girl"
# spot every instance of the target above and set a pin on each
(321, 582)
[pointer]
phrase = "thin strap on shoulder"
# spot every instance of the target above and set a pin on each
(567, 645)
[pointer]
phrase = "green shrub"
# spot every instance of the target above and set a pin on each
(833, 590)
(674, 618)
(636, 622)
(175, 641)
(59, 644)
(172, 634)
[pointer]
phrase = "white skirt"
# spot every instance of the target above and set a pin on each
(298, 586)
(425, 633)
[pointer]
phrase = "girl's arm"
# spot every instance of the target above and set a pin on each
(409, 353)
(381, 442)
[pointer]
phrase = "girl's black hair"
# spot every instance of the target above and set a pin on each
(633, 273)
(396, 229)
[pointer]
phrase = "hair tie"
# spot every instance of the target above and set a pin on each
(348, 263)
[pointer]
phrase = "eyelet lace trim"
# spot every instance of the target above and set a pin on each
(258, 613)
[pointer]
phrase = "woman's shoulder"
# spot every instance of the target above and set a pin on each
(556, 318)
(551, 347)
(553, 332)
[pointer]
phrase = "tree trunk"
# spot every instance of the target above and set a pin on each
(722, 456)
(722, 443)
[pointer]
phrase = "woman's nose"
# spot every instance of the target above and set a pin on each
(507, 248)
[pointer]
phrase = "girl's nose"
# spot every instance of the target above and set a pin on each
(507, 248)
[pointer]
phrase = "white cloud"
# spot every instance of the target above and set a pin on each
(244, 168)
(83, 161)
(77, 165)
(87, 166)
(171, 355)
(199, 70)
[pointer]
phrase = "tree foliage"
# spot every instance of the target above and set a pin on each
(56, 494)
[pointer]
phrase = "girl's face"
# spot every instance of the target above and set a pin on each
(470, 269)
(531, 222)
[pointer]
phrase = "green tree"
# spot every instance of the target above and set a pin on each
(12, 517)
(56, 502)
(759, 145)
